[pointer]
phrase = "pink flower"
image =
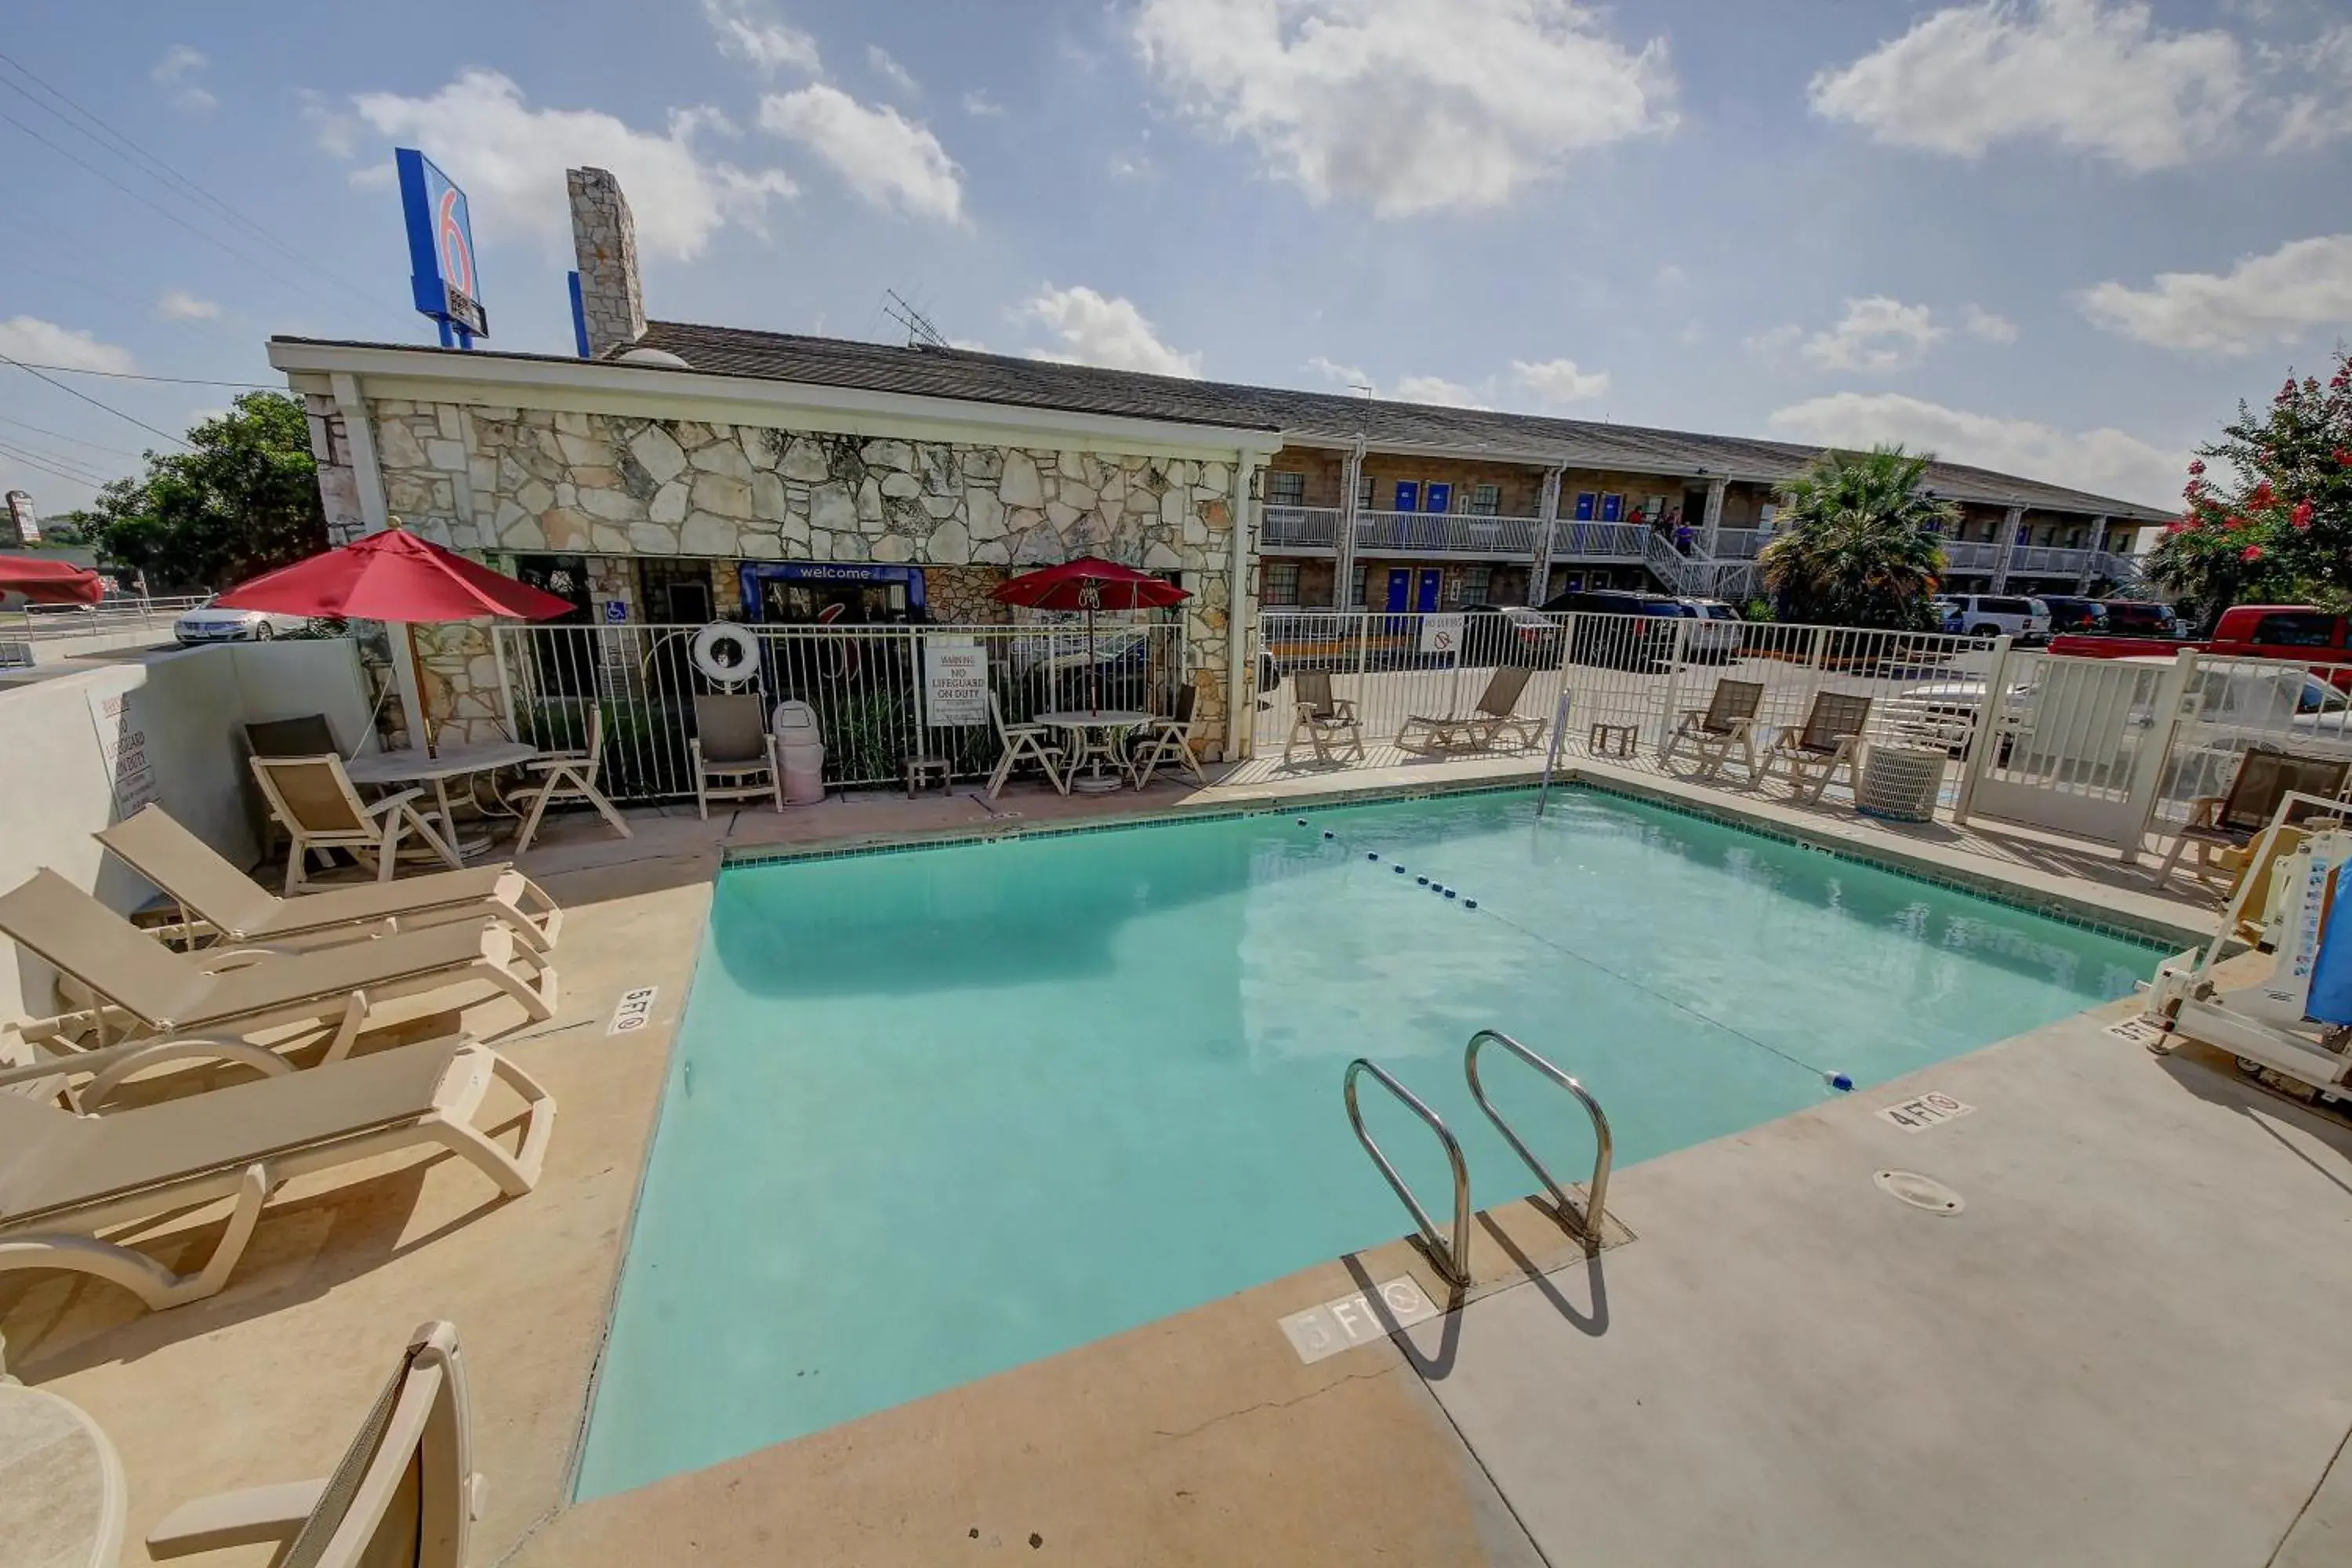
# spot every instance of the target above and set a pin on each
(2175, 527)
(2301, 516)
(2251, 553)
(2235, 522)
(2196, 465)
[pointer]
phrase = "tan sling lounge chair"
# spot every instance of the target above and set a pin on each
(404, 1494)
(569, 778)
(65, 1177)
(731, 744)
(1321, 718)
(1173, 739)
(1726, 724)
(215, 892)
(2222, 826)
(145, 989)
(1018, 743)
(1830, 739)
(313, 798)
(1495, 713)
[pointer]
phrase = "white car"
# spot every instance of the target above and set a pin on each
(1991, 615)
(1717, 633)
(207, 623)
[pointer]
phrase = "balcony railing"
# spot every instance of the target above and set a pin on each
(1300, 527)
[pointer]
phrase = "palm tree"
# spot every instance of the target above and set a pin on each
(1862, 546)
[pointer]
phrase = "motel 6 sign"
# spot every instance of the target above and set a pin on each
(440, 248)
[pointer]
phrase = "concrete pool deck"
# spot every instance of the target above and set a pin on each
(2109, 1357)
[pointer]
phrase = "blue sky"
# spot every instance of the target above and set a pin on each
(2058, 237)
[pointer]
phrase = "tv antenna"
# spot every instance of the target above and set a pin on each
(920, 331)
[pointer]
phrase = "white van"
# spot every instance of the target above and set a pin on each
(1991, 615)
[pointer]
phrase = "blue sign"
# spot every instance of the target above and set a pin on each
(616, 609)
(440, 250)
(1437, 498)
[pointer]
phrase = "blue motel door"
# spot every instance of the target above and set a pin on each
(1400, 591)
(1424, 599)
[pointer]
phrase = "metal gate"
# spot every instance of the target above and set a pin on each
(2074, 745)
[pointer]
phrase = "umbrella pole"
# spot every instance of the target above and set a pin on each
(1094, 669)
(413, 698)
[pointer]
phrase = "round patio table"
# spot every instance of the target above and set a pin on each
(465, 760)
(1113, 723)
(62, 1497)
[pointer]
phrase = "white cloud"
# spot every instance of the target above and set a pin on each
(1347, 376)
(2263, 300)
(1979, 322)
(1410, 106)
(980, 106)
(749, 32)
(179, 305)
(1876, 334)
(887, 67)
(1096, 330)
(36, 341)
(2102, 461)
(889, 159)
(2316, 117)
(1437, 389)
(1774, 342)
(176, 74)
(510, 159)
(1557, 382)
(2099, 77)
(337, 134)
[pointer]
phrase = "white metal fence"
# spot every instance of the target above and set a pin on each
(867, 683)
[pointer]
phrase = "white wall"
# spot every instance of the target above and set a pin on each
(56, 789)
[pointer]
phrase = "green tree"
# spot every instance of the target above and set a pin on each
(1861, 546)
(241, 500)
(2280, 529)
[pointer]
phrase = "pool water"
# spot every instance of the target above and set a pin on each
(935, 1113)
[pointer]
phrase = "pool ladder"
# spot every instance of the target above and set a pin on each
(1453, 1259)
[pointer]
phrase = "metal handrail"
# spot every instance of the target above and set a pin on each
(1596, 1205)
(1452, 1261)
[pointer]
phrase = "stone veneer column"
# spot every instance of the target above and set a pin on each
(605, 240)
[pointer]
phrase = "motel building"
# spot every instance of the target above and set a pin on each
(678, 474)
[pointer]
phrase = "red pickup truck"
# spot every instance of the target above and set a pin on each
(2298, 631)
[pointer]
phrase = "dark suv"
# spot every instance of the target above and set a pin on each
(2070, 616)
(1641, 642)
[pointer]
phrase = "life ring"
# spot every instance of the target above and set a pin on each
(726, 654)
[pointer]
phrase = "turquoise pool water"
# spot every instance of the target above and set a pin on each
(933, 1114)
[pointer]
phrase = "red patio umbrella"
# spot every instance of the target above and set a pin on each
(395, 577)
(50, 581)
(1090, 583)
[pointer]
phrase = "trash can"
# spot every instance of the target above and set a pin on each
(1900, 783)
(799, 748)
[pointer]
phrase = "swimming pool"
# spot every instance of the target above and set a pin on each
(935, 1113)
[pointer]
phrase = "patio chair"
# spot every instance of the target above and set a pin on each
(212, 892)
(312, 797)
(70, 1176)
(154, 991)
(2222, 826)
(731, 744)
(1172, 739)
(308, 735)
(1321, 718)
(405, 1491)
(1830, 739)
(1728, 721)
(1489, 716)
(569, 778)
(1018, 744)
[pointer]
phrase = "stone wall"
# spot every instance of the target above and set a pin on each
(966, 595)
(504, 479)
(605, 242)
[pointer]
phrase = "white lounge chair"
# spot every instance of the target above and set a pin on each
(569, 778)
(313, 798)
(145, 989)
(404, 1494)
(215, 892)
(1174, 740)
(70, 1176)
(1727, 723)
(731, 746)
(1494, 714)
(1018, 743)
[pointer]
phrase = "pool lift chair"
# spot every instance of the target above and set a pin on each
(2295, 1023)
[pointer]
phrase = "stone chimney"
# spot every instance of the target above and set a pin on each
(605, 238)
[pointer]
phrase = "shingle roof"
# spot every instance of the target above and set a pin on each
(1087, 389)
(1307, 417)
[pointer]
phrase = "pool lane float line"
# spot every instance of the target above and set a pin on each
(1836, 1080)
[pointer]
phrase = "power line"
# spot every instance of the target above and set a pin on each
(134, 376)
(44, 465)
(93, 402)
(78, 466)
(155, 168)
(61, 436)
